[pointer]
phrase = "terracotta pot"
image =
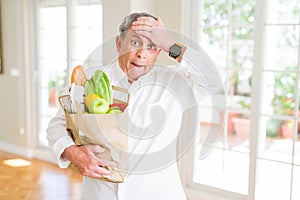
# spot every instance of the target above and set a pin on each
(241, 126)
(291, 112)
(52, 97)
(286, 131)
(230, 125)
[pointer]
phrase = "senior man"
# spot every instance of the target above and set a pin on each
(153, 171)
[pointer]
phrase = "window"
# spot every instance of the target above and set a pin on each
(68, 30)
(278, 154)
(226, 32)
(257, 156)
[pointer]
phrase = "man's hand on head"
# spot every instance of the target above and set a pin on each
(154, 30)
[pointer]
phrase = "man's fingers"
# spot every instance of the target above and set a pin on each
(142, 28)
(98, 149)
(102, 170)
(95, 148)
(107, 162)
(138, 25)
(143, 32)
(148, 20)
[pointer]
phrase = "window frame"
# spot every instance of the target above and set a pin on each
(70, 7)
(257, 140)
(192, 13)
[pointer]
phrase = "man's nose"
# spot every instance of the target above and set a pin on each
(142, 52)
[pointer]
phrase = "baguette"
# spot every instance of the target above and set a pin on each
(78, 76)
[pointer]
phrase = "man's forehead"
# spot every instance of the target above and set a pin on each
(131, 33)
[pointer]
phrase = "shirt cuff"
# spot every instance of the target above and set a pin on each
(59, 148)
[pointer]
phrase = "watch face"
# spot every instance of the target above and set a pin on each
(175, 51)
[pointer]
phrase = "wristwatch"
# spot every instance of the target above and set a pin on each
(175, 50)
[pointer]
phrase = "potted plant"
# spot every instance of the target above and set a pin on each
(273, 127)
(241, 122)
(54, 85)
(283, 102)
(287, 129)
(52, 92)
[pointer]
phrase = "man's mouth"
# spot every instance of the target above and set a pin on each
(137, 65)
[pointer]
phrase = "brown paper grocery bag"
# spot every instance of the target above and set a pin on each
(101, 129)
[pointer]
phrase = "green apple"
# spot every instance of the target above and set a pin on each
(89, 98)
(98, 106)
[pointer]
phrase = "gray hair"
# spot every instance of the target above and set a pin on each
(127, 21)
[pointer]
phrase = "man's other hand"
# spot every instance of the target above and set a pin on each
(85, 160)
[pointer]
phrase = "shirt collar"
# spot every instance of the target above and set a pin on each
(121, 77)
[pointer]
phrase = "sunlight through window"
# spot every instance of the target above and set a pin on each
(18, 162)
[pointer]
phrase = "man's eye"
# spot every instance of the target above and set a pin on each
(134, 43)
(152, 47)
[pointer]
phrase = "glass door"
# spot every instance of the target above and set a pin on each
(257, 155)
(226, 32)
(278, 158)
(67, 30)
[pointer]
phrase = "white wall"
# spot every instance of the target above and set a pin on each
(12, 81)
(114, 12)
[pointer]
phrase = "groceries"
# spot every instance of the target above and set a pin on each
(78, 76)
(93, 116)
(99, 84)
(98, 98)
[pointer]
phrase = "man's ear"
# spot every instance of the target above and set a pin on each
(158, 51)
(118, 43)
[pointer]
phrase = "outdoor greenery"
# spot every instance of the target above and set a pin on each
(230, 29)
(284, 92)
(234, 23)
(56, 83)
(284, 100)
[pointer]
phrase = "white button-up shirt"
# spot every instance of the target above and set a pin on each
(157, 107)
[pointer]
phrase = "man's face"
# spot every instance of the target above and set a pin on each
(136, 54)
